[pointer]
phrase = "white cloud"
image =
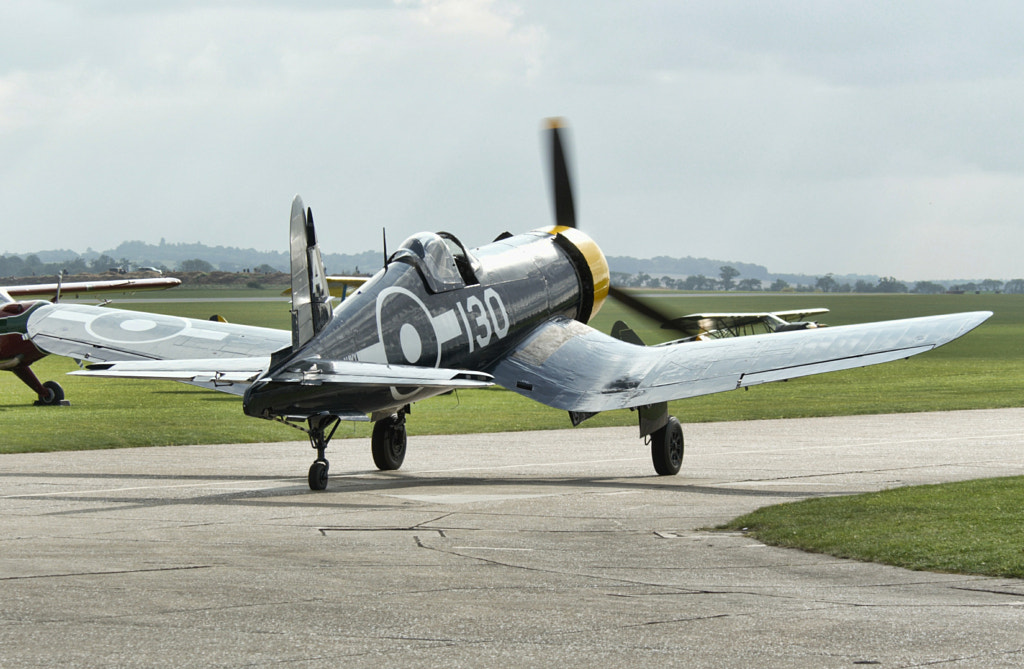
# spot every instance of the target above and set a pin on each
(806, 137)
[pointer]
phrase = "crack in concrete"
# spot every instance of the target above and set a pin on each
(106, 573)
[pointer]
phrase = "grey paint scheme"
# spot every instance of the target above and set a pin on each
(311, 297)
(571, 366)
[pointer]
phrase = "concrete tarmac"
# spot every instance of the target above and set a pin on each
(516, 549)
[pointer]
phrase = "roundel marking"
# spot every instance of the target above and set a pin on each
(126, 328)
(406, 329)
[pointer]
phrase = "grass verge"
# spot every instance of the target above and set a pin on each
(971, 527)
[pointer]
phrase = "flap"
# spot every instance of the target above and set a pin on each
(350, 372)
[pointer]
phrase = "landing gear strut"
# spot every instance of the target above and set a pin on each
(50, 393)
(319, 438)
(388, 442)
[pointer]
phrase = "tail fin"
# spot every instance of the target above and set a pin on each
(311, 298)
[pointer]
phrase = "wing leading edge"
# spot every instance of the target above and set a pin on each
(570, 366)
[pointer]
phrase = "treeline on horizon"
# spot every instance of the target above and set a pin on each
(689, 273)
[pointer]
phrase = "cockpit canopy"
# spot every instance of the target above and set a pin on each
(441, 259)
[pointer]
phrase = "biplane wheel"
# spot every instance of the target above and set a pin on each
(54, 394)
(388, 442)
(667, 448)
(318, 475)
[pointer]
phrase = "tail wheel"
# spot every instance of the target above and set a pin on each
(667, 448)
(388, 442)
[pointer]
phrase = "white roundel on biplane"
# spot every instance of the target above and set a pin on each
(406, 329)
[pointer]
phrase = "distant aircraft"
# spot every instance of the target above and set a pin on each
(441, 316)
(17, 353)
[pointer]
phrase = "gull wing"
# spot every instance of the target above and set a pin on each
(98, 334)
(570, 366)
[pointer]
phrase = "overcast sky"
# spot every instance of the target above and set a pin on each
(847, 137)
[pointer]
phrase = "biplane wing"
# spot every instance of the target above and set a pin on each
(339, 286)
(51, 290)
(733, 324)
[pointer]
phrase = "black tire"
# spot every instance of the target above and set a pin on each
(388, 443)
(667, 448)
(55, 394)
(318, 475)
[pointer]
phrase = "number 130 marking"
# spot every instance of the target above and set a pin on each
(484, 318)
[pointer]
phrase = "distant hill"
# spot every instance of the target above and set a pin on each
(170, 258)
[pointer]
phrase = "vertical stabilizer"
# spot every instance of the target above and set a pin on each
(311, 299)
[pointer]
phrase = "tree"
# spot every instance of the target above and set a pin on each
(779, 285)
(749, 285)
(1014, 286)
(102, 263)
(928, 288)
(827, 284)
(11, 265)
(194, 265)
(727, 273)
(639, 280)
(889, 284)
(698, 282)
(988, 285)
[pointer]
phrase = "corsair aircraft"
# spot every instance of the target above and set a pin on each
(442, 316)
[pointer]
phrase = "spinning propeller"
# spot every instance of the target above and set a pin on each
(565, 215)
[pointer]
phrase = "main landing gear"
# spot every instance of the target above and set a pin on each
(50, 393)
(666, 437)
(388, 444)
(667, 448)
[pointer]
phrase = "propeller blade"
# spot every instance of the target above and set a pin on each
(561, 180)
(645, 309)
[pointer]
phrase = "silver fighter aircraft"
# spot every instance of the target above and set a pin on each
(442, 316)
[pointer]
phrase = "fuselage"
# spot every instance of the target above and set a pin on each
(438, 305)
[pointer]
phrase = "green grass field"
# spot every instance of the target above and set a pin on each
(928, 528)
(982, 370)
